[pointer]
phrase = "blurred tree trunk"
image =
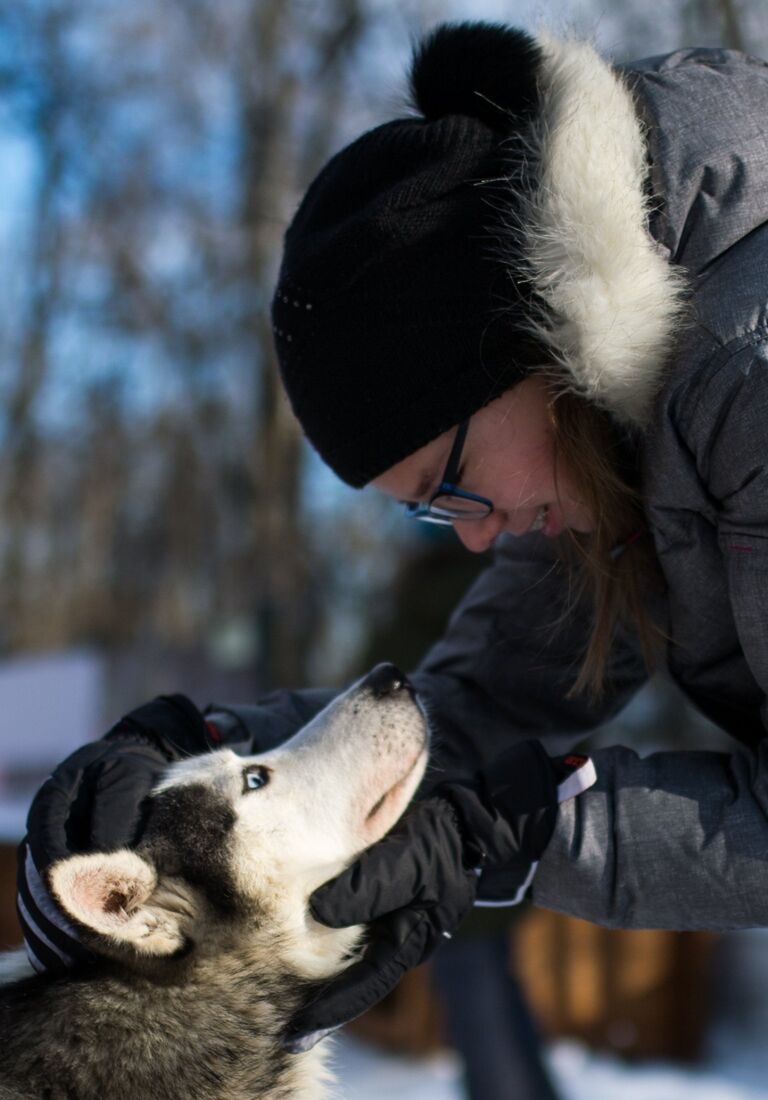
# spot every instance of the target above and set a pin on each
(718, 20)
(170, 148)
(271, 172)
(732, 33)
(21, 457)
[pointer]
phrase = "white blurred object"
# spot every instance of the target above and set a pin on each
(49, 705)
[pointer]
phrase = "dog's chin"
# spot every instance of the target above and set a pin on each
(392, 803)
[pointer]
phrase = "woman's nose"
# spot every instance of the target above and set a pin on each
(478, 534)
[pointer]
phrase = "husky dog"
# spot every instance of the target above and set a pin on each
(205, 943)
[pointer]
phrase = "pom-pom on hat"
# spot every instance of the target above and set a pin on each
(394, 317)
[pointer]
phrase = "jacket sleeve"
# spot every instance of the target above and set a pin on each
(508, 659)
(680, 840)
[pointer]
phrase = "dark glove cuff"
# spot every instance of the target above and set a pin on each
(172, 723)
(508, 810)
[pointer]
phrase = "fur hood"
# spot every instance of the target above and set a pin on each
(610, 301)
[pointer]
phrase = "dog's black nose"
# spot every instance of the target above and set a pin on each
(385, 679)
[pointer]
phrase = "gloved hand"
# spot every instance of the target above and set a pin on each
(471, 840)
(95, 800)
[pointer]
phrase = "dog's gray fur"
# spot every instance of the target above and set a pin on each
(206, 946)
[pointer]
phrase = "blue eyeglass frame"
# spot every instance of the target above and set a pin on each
(448, 487)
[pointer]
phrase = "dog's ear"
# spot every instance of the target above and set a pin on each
(116, 895)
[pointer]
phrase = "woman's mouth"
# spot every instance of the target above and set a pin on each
(550, 525)
(553, 524)
(540, 519)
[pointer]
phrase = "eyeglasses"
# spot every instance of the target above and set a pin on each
(449, 503)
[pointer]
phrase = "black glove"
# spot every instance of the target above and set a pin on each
(470, 840)
(95, 801)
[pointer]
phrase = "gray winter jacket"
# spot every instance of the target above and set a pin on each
(655, 287)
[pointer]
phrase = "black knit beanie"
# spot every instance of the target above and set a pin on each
(395, 316)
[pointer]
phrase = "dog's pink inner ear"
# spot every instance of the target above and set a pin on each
(98, 894)
(103, 891)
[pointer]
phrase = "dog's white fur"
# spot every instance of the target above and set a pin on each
(612, 301)
(179, 974)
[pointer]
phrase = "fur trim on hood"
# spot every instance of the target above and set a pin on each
(611, 303)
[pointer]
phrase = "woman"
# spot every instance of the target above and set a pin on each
(539, 308)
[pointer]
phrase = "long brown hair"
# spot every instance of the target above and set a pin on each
(615, 564)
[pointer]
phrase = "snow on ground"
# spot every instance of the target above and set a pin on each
(583, 1075)
(736, 1066)
(367, 1074)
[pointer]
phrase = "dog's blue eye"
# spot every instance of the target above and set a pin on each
(255, 777)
